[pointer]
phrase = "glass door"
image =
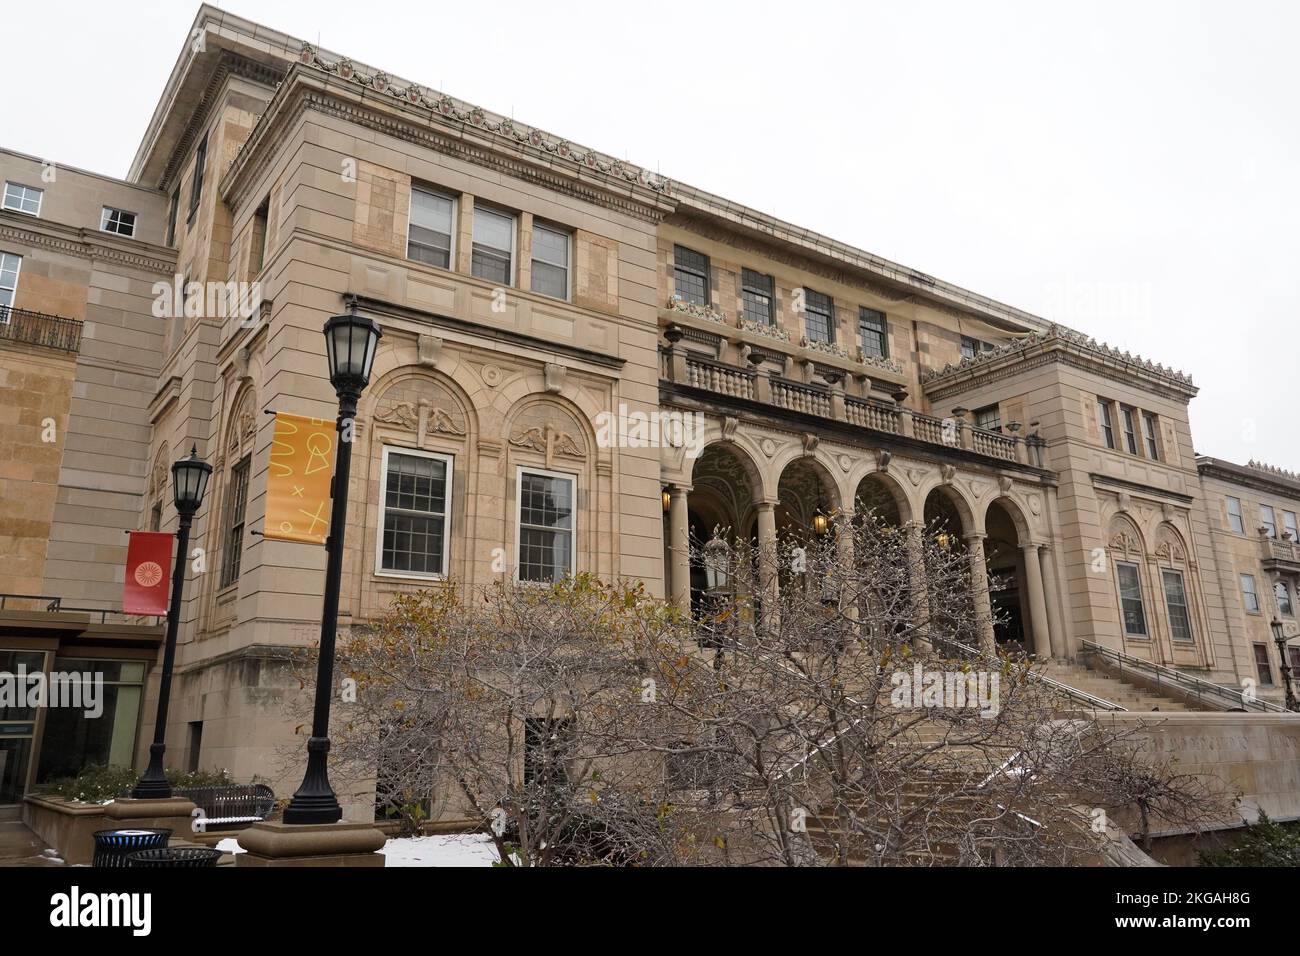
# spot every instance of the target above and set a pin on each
(18, 717)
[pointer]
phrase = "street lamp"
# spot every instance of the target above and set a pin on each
(1280, 639)
(350, 344)
(189, 482)
(717, 573)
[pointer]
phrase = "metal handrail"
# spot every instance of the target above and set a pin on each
(37, 328)
(54, 605)
(1080, 695)
(1188, 682)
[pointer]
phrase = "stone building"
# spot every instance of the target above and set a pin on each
(532, 292)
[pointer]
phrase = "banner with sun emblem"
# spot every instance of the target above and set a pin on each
(298, 483)
(148, 573)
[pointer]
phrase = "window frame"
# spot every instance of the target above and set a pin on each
(1263, 665)
(455, 214)
(1145, 633)
(239, 476)
(1106, 423)
(13, 292)
(865, 313)
(1186, 604)
(1251, 592)
(196, 178)
(572, 478)
(1129, 428)
(1290, 525)
(829, 313)
(753, 289)
(449, 461)
(568, 260)
(1149, 435)
(4, 198)
(512, 267)
(980, 415)
(172, 212)
(976, 346)
(1236, 519)
(706, 275)
(1284, 599)
(1269, 523)
(104, 217)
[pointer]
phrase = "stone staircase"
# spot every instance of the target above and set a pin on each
(1117, 691)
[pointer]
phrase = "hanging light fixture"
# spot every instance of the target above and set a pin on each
(717, 563)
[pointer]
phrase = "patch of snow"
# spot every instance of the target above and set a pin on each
(230, 845)
(453, 849)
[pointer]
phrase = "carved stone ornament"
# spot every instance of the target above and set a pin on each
(550, 441)
(1005, 484)
(948, 472)
(1123, 541)
(883, 458)
(729, 425)
(554, 376)
(810, 443)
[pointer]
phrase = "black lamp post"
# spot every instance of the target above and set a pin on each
(189, 482)
(350, 344)
(1280, 639)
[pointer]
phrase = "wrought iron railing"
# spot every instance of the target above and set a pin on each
(1167, 678)
(39, 329)
(51, 604)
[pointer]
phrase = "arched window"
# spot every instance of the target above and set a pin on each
(1127, 554)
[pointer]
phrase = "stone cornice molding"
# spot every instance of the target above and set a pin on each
(1253, 475)
(1057, 344)
(309, 88)
(86, 243)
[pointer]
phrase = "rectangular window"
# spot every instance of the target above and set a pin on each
(819, 316)
(757, 295)
(236, 505)
(1288, 523)
(1130, 599)
(545, 524)
(494, 246)
(73, 740)
(873, 329)
(1282, 594)
(989, 417)
(155, 517)
(196, 183)
(194, 746)
(1130, 430)
(971, 347)
(117, 221)
(9, 265)
(550, 261)
(691, 276)
(416, 515)
(1149, 436)
(257, 242)
(428, 237)
(171, 216)
(1234, 515)
(1262, 667)
(20, 198)
(1249, 596)
(1267, 520)
(1104, 423)
(1294, 654)
(1180, 621)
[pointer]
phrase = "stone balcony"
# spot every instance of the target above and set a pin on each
(24, 327)
(763, 386)
(1279, 554)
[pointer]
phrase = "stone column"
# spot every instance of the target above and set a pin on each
(843, 531)
(768, 581)
(979, 582)
(1055, 611)
(679, 548)
(1037, 602)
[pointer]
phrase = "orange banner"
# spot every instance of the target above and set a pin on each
(298, 485)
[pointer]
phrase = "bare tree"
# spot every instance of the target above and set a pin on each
(823, 703)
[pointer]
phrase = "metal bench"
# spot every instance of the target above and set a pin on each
(229, 805)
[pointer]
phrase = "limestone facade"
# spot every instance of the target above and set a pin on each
(530, 290)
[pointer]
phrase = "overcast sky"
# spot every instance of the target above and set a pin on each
(1131, 169)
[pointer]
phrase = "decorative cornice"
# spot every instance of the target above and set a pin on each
(1058, 338)
(250, 160)
(1254, 474)
(762, 328)
(84, 243)
(1273, 471)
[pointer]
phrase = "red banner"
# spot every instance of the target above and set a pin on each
(148, 573)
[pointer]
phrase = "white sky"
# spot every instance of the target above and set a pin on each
(1131, 169)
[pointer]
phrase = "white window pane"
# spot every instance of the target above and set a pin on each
(493, 229)
(431, 211)
(550, 280)
(550, 246)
